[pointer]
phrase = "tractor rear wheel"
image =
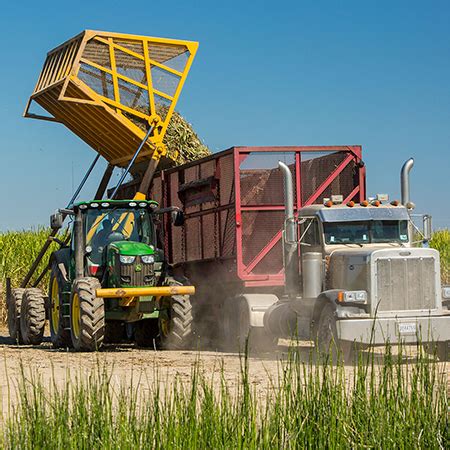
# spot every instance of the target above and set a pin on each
(32, 316)
(87, 315)
(175, 321)
(59, 334)
(14, 304)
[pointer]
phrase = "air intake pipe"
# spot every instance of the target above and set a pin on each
(404, 183)
(290, 240)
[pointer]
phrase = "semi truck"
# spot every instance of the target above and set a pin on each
(316, 258)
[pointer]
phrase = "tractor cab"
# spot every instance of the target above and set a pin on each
(120, 237)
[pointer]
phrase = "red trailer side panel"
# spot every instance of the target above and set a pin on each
(233, 203)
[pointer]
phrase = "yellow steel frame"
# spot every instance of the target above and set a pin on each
(62, 69)
(164, 291)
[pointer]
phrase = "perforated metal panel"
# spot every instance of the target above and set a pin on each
(234, 206)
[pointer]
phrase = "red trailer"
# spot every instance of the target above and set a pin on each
(231, 242)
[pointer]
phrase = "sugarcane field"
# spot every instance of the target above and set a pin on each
(195, 254)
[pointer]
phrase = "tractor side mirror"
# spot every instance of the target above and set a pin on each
(177, 218)
(56, 221)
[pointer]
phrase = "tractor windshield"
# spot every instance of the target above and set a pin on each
(366, 232)
(117, 224)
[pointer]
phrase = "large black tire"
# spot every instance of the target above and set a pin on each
(32, 316)
(175, 321)
(59, 334)
(327, 342)
(14, 305)
(146, 333)
(87, 315)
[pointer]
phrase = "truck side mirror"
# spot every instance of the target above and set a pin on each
(177, 218)
(56, 221)
(427, 228)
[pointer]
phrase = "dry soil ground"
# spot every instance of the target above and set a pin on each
(128, 364)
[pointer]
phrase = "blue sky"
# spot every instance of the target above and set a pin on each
(275, 73)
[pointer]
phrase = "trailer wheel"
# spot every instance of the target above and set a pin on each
(240, 336)
(14, 304)
(59, 334)
(146, 332)
(87, 315)
(32, 316)
(327, 341)
(175, 321)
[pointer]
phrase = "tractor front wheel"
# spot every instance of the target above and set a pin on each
(175, 321)
(14, 304)
(32, 316)
(87, 315)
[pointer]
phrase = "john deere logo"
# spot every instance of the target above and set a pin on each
(137, 267)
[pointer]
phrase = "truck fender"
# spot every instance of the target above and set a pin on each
(257, 305)
(330, 297)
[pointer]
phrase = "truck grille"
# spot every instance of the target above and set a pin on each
(405, 284)
(137, 274)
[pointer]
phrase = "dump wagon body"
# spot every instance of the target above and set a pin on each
(233, 204)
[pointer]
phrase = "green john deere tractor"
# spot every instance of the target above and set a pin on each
(107, 282)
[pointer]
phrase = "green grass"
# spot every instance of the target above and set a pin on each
(395, 404)
(441, 242)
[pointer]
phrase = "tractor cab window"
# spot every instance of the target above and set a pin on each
(105, 226)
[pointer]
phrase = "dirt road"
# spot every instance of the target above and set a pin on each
(130, 365)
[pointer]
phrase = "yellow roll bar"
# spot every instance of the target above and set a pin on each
(163, 291)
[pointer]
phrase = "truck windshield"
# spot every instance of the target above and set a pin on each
(373, 231)
(116, 224)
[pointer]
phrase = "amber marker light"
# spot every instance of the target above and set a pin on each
(395, 203)
(376, 203)
(364, 203)
(351, 204)
(340, 296)
(329, 204)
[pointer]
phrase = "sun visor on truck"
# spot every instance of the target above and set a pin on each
(362, 214)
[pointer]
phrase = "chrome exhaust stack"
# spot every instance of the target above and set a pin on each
(290, 239)
(404, 183)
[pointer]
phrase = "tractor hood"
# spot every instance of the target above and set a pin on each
(132, 248)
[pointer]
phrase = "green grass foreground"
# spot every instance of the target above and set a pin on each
(395, 403)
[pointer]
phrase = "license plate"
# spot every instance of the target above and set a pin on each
(407, 328)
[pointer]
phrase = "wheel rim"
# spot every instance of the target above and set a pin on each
(55, 311)
(76, 317)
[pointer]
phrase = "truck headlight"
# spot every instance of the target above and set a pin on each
(446, 292)
(352, 296)
(126, 259)
(148, 259)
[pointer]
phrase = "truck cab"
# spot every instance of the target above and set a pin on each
(354, 276)
(377, 285)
